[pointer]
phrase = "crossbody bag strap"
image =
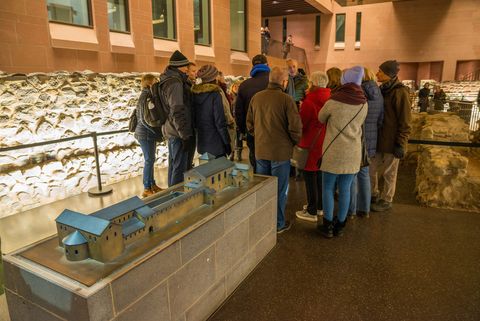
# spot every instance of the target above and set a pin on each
(342, 130)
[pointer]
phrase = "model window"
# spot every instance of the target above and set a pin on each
(340, 28)
(163, 19)
(225, 174)
(118, 15)
(66, 251)
(107, 237)
(238, 26)
(213, 179)
(219, 177)
(115, 234)
(201, 22)
(76, 252)
(75, 12)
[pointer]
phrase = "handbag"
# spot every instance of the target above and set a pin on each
(300, 154)
(365, 161)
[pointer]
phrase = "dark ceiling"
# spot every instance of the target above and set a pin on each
(269, 9)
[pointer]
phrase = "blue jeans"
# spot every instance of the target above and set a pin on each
(361, 193)
(282, 171)
(343, 182)
(149, 148)
(177, 161)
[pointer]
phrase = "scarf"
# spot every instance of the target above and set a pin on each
(389, 85)
(350, 93)
(259, 68)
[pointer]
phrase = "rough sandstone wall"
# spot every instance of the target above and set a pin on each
(39, 107)
(442, 178)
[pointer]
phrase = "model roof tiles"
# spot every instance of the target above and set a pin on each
(75, 238)
(86, 223)
(119, 209)
(131, 226)
(212, 167)
(145, 211)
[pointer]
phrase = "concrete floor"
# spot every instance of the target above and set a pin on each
(413, 263)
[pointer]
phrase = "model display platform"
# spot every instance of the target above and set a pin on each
(88, 248)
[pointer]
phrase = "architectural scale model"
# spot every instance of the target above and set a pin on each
(103, 235)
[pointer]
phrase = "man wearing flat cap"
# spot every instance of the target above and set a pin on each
(393, 136)
(178, 129)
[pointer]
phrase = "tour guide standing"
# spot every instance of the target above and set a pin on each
(393, 136)
(247, 89)
(274, 122)
(178, 129)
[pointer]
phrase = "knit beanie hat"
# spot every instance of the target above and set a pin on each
(207, 73)
(390, 68)
(178, 60)
(259, 59)
(352, 75)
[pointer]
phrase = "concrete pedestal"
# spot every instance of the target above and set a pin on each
(185, 278)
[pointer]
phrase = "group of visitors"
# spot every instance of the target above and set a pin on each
(355, 131)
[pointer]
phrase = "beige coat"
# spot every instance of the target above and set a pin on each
(345, 152)
(274, 121)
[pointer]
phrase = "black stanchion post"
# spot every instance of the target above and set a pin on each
(99, 190)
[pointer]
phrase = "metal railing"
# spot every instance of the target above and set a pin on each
(94, 191)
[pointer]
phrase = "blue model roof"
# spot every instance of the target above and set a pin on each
(145, 211)
(207, 157)
(241, 166)
(76, 238)
(193, 184)
(132, 225)
(165, 198)
(86, 223)
(114, 211)
(212, 167)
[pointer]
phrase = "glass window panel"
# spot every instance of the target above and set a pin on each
(340, 28)
(118, 15)
(317, 31)
(201, 21)
(359, 26)
(237, 25)
(69, 11)
(163, 16)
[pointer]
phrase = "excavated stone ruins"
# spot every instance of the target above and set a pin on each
(446, 177)
(40, 107)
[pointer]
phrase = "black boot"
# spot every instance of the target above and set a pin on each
(326, 228)
(338, 227)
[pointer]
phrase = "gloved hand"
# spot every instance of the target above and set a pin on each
(228, 149)
(398, 151)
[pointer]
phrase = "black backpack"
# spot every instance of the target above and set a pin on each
(132, 123)
(156, 113)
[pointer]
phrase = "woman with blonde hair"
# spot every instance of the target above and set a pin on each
(313, 134)
(147, 137)
(334, 75)
(361, 187)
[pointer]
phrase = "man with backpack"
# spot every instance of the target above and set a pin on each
(178, 127)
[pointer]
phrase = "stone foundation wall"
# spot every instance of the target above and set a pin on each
(442, 178)
(40, 107)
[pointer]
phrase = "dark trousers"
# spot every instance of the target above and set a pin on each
(191, 151)
(177, 161)
(313, 186)
(251, 152)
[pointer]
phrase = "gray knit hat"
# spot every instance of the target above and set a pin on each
(390, 68)
(178, 60)
(207, 73)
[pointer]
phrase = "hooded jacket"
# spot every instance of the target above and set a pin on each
(179, 102)
(397, 117)
(374, 119)
(246, 90)
(210, 123)
(309, 110)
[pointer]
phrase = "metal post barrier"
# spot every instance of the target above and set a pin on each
(99, 190)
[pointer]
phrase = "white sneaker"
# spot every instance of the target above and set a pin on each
(303, 215)
(319, 212)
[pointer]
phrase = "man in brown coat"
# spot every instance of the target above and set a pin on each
(274, 122)
(393, 136)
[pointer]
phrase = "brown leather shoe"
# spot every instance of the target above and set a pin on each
(147, 192)
(155, 188)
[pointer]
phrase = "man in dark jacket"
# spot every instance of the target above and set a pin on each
(276, 125)
(393, 136)
(247, 89)
(423, 97)
(178, 129)
(297, 82)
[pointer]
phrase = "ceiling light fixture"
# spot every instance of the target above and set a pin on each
(289, 10)
(275, 2)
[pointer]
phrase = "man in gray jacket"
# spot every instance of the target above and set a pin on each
(178, 129)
